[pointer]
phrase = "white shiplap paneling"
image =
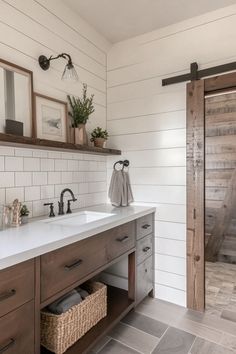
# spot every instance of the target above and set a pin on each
(147, 121)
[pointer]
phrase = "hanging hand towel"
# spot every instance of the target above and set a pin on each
(120, 192)
(116, 188)
(127, 196)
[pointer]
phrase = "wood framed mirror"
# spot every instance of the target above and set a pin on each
(16, 97)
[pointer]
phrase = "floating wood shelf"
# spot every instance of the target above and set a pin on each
(34, 143)
(118, 305)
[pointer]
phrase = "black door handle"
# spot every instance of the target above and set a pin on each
(146, 249)
(7, 294)
(122, 239)
(146, 226)
(7, 346)
(73, 265)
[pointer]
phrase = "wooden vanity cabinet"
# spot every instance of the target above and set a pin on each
(17, 307)
(145, 256)
(27, 287)
(68, 265)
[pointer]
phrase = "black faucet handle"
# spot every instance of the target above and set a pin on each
(68, 205)
(51, 214)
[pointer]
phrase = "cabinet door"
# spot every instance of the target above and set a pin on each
(144, 279)
(16, 286)
(144, 248)
(17, 331)
(144, 226)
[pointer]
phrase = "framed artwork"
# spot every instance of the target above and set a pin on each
(50, 118)
(16, 99)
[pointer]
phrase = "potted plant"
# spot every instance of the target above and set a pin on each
(99, 137)
(81, 108)
(24, 213)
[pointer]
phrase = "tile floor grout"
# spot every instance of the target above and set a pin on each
(123, 342)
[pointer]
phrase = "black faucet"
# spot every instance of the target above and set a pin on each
(61, 203)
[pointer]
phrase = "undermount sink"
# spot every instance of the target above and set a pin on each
(76, 219)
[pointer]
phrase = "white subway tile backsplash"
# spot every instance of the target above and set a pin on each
(61, 165)
(14, 193)
(7, 151)
(83, 188)
(32, 193)
(47, 165)
(47, 192)
(2, 196)
(13, 163)
(39, 209)
(7, 179)
(54, 155)
(83, 165)
(40, 153)
(23, 152)
(54, 177)
(23, 179)
(97, 187)
(31, 164)
(66, 177)
(39, 178)
(2, 164)
(73, 165)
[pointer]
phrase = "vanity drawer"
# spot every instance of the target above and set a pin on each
(144, 226)
(144, 248)
(120, 240)
(67, 265)
(16, 286)
(144, 279)
(17, 331)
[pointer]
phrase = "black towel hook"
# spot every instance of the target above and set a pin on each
(125, 163)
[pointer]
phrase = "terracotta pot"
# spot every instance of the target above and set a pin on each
(99, 142)
(72, 135)
(81, 136)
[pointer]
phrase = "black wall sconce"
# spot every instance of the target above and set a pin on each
(69, 72)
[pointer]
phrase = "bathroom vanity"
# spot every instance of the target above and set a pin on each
(36, 271)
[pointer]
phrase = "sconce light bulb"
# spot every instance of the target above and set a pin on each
(69, 73)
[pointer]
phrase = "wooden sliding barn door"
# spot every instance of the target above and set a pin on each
(196, 91)
(195, 195)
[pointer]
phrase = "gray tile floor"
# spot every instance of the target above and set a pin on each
(221, 290)
(158, 327)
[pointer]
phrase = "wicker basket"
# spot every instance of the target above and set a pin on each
(59, 332)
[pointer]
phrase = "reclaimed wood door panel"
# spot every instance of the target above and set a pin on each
(220, 168)
(211, 156)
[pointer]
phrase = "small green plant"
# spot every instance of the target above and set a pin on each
(81, 108)
(24, 211)
(99, 133)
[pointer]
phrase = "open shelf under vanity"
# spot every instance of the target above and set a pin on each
(119, 305)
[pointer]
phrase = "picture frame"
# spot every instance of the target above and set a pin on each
(50, 118)
(16, 99)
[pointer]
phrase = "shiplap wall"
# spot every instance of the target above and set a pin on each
(28, 29)
(147, 121)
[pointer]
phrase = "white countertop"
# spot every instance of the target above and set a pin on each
(36, 238)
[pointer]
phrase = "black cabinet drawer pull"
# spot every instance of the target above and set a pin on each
(73, 265)
(146, 226)
(7, 294)
(146, 249)
(122, 239)
(7, 346)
